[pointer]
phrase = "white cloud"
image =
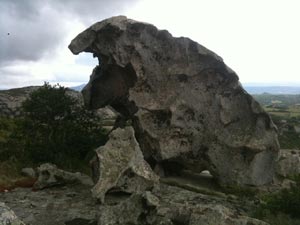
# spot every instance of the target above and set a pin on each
(258, 39)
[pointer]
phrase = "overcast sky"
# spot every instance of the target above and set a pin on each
(259, 39)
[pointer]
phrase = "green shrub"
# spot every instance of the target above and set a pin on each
(55, 128)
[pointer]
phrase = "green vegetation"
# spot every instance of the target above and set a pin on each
(281, 208)
(283, 100)
(243, 192)
(54, 128)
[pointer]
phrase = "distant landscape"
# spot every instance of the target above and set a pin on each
(284, 110)
(272, 89)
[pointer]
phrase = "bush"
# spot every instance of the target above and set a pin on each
(56, 128)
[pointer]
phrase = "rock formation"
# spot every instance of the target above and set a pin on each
(120, 165)
(187, 107)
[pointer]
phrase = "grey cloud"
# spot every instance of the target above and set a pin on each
(37, 27)
(93, 10)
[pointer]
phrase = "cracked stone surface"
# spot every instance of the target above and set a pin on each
(187, 107)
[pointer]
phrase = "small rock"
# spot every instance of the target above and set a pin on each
(49, 175)
(151, 200)
(29, 172)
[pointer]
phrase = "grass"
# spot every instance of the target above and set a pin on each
(242, 192)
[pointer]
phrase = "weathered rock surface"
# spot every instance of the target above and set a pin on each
(49, 175)
(173, 206)
(289, 163)
(8, 217)
(188, 108)
(69, 205)
(120, 166)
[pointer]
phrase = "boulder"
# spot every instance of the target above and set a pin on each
(8, 217)
(188, 109)
(120, 166)
(289, 163)
(49, 175)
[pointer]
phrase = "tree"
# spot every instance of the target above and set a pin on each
(56, 128)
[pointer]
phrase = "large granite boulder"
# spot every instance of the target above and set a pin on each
(120, 166)
(188, 108)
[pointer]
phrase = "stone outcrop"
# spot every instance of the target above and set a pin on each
(8, 217)
(49, 175)
(187, 107)
(120, 166)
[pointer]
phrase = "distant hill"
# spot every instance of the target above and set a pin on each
(278, 90)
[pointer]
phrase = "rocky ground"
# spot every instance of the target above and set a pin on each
(74, 205)
(68, 205)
